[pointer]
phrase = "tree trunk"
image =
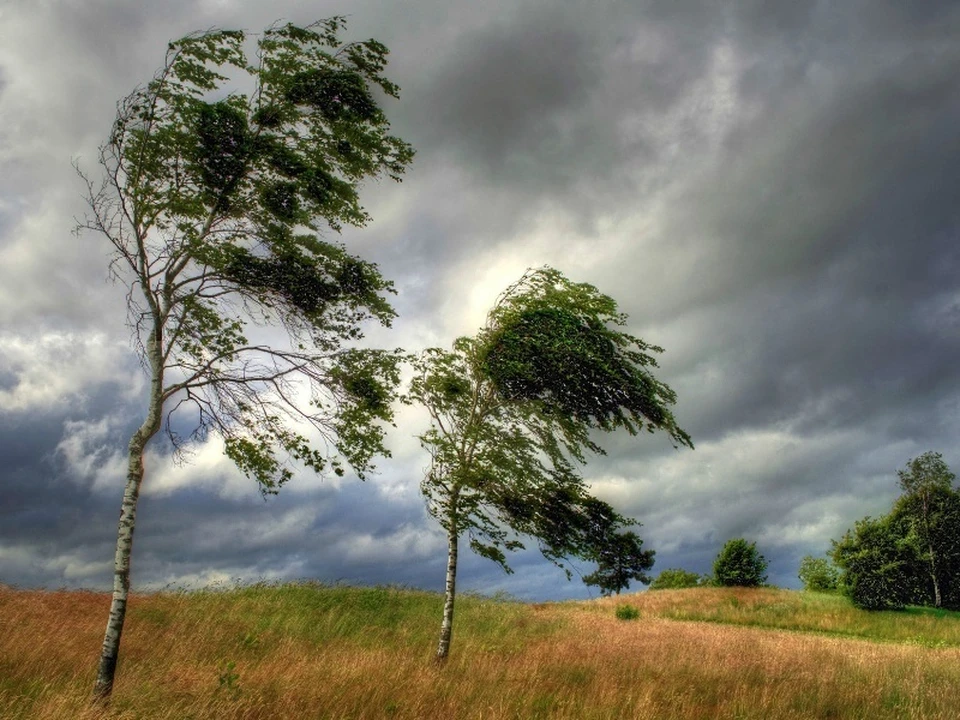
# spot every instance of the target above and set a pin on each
(446, 627)
(128, 514)
(933, 557)
(933, 574)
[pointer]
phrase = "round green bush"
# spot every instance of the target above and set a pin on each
(740, 565)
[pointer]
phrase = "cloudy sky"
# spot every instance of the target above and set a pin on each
(770, 190)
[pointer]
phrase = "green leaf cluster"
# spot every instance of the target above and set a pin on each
(509, 428)
(740, 564)
(675, 579)
(223, 176)
(818, 574)
(620, 559)
(911, 556)
(877, 565)
(557, 345)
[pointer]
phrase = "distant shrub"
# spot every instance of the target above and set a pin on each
(627, 612)
(740, 565)
(818, 574)
(676, 578)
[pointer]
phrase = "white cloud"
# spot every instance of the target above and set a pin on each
(203, 466)
(405, 544)
(55, 370)
(90, 450)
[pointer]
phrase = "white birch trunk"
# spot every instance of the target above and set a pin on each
(929, 539)
(450, 592)
(933, 574)
(128, 514)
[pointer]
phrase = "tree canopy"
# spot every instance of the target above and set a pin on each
(620, 560)
(739, 563)
(878, 570)
(675, 579)
(911, 556)
(215, 203)
(818, 574)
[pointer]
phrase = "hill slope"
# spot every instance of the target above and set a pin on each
(339, 652)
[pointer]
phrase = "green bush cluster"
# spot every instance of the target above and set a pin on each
(818, 574)
(739, 564)
(677, 578)
(911, 556)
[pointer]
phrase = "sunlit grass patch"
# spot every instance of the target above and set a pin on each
(772, 608)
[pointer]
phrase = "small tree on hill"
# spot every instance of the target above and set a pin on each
(818, 574)
(739, 564)
(620, 560)
(512, 415)
(214, 203)
(676, 578)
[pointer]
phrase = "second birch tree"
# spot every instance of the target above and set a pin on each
(512, 411)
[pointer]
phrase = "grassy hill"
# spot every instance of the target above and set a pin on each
(308, 651)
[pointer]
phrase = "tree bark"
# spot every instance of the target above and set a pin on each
(128, 514)
(450, 591)
(929, 538)
(933, 574)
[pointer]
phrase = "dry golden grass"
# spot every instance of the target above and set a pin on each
(329, 653)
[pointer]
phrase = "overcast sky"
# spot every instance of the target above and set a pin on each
(770, 190)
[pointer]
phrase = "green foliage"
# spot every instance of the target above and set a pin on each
(929, 523)
(739, 564)
(818, 574)
(878, 567)
(228, 679)
(911, 555)
(675, 579)
(621, 559)
(925, 474)
(512, 418)
(554, 344)
(221, 176)
(503, 462)
(627, 612)
(928, 513)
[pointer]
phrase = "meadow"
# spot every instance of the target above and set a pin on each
(313, 651)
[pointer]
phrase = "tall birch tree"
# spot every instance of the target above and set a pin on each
(513, 412)
(219, 179)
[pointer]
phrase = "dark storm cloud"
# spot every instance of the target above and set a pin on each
(45, 516)
(502, 98)
(822, 249)
(853, 158)
(58, 521)
(770, 190)
(853, 295)
(59, 528)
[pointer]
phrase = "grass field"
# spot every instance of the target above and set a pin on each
(307, 651)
